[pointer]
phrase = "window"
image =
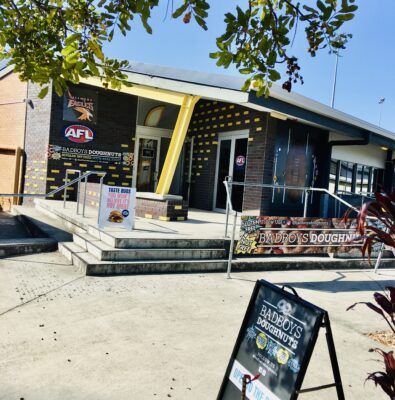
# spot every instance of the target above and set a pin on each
(350, 177)
(345, 176)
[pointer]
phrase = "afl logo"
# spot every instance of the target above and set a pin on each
(79, 133)
(240, 161)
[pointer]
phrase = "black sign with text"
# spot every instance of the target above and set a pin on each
(80, 105)
(276, 340)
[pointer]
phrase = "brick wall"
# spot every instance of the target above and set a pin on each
(12, 129)
(36, 141)
(208, 120)
(114, 132)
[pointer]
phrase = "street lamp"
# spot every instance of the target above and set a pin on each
(381, 102)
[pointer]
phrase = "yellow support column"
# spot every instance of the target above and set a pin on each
(176, 143)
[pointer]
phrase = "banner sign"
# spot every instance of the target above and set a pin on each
(296, 235)
(78, 154)
(117, 206)
(80, 105)
(276, 340)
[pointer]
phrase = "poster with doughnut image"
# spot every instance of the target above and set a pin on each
(297, 235)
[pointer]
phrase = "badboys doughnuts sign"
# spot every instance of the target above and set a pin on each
(117, 206)
(275, 343)
(296, 235)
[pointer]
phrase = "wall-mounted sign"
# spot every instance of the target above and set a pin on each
(65, 153)
(275, 343)
(240, 161)
(80, 104)
(148, 153)
(296, 235)
(79, 133)
(117, 206)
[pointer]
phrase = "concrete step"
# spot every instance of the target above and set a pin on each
(103, 251)
(42, 223)
(67, 249)
(18, 247)
(92, 266)
(159, 242)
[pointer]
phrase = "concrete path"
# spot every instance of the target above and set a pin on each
(69, 337)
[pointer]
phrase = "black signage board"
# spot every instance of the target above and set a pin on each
(276, 340)
(80, 105)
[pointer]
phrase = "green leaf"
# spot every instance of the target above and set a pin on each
(96, 49)
(245, 71)
(345, 17)
(67, 50)
(180, 10)
(43, 92)
(274, 75)
(201, 22)
(321, 6)
(72, 38)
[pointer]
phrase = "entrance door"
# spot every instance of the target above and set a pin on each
(231, 161)
(147, 164)
(151, 149)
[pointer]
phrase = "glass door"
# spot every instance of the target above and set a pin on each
(231, 161)
(147, 167)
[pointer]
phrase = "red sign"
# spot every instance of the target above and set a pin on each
(240, 161)
(79, 133)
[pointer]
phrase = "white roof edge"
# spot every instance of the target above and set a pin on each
(202, 84)
(6, 70)
(213, 93)
(322, 109)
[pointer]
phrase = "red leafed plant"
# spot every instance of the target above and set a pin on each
(376, 221)
(385, 306)
(376, 224)
(386, 379)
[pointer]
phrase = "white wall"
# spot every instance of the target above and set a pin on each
(369, 154)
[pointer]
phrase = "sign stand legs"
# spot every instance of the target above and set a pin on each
(333, 357)
(335, 366)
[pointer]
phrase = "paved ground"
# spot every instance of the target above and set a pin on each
(67, 336)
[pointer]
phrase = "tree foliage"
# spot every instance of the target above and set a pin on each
(62, 40)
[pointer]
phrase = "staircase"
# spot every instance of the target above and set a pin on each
(146, 256)
(143, 251)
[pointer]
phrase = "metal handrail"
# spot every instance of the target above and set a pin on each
(78, 171)
(66, 185)
(229, 206)
(306, 191)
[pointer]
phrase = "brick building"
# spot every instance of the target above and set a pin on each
(175, 135)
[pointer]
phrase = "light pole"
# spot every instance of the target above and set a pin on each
(334, 81)
(381, 102)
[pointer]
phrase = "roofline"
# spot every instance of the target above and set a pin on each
(191, 88)
(202, 84)
(332, 119)
(322, 109)
(6, 70)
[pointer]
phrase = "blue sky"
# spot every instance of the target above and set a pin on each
(366, 69)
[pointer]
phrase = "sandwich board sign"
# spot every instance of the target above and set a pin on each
(275, 343)
(117, 206)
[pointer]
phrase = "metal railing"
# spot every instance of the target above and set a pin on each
(64, 187)
(80, 178)
(307, 191)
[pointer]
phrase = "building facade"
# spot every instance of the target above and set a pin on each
(176, 136)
